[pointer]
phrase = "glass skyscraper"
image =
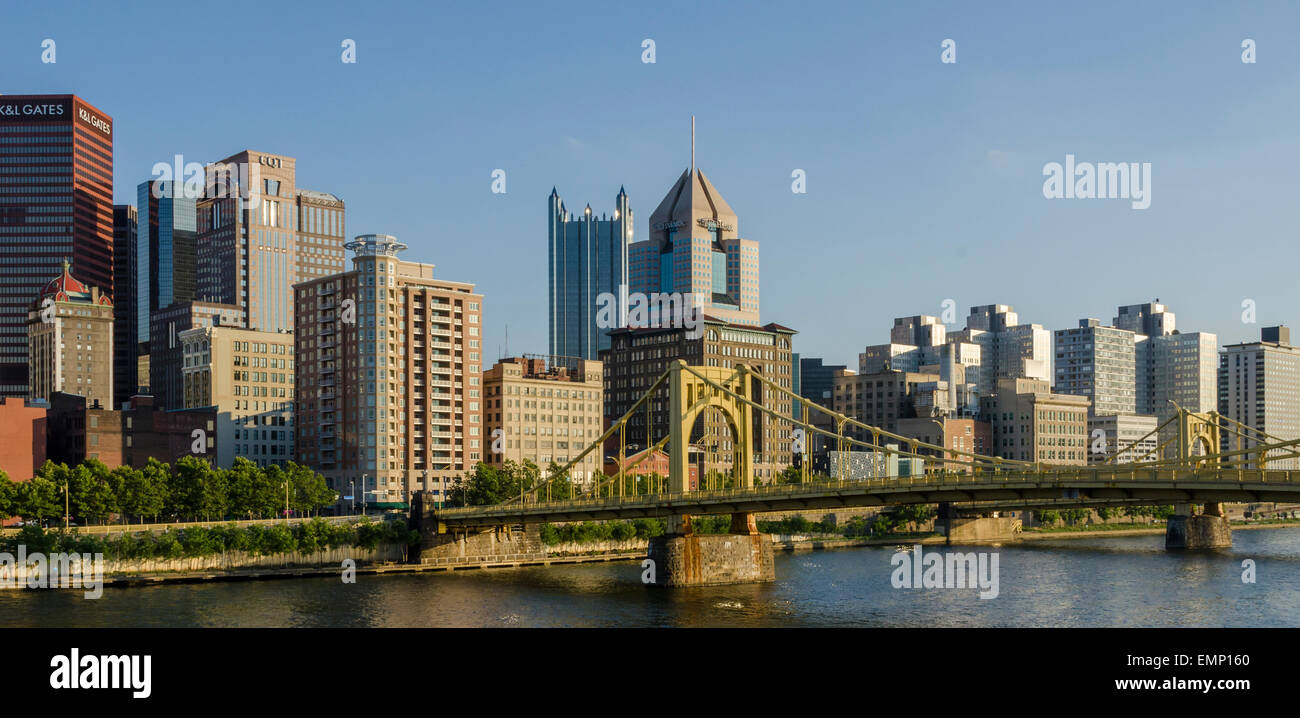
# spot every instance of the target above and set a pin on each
(165, 253)
(587, 258)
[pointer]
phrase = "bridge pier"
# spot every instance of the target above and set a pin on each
(684, 558)
(1188, 531)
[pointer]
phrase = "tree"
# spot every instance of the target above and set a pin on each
(38, 499)
(89, 494)
(249, 492)
(196, 490)
(8, 493)
(144, 491)
(1047, 517)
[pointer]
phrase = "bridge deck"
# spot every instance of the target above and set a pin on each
(1065, 488)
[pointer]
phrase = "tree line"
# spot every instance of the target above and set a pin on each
(198, 541)
(189, 489)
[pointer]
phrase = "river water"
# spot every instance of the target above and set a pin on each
(1130, 581)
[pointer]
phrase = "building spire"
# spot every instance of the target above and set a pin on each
(692, 145)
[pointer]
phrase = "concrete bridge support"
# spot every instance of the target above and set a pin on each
(976, 529)
(685, 558)
(1189, 531)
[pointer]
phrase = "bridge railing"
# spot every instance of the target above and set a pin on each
(1116, 474)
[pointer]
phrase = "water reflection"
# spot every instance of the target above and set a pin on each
(1130, 581)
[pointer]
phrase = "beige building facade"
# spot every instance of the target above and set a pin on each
(1030, 423)
(544, 409)
(247, 376)
(70, 341)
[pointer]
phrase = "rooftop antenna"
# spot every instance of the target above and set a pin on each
(507, 339)
(692, 145)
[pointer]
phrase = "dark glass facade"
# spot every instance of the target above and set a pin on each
(56, 203)
(125, 376)
(165, 256)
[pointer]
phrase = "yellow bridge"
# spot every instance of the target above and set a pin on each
(1188, 467)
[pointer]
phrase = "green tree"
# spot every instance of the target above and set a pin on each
(90, 494)
(1047, 517)
(196, 490)
(38, 499)
(8, 494)
(248, 491)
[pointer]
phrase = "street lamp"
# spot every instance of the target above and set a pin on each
(66, 511)
(352, 494)
(364, 480)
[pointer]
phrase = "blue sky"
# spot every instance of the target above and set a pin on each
(924, 179)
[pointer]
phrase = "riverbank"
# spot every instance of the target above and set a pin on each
(1040, 535)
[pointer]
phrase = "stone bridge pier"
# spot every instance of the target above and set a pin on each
(1186, 530)
(682, 557)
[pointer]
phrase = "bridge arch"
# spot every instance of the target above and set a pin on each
(690, 395)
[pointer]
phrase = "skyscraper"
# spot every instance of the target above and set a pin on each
(56, 203)
(125, 318)
(165, 251)
(1259, 386)
(1097, 362)
(695, 249)
(259, 234)
(588, 257)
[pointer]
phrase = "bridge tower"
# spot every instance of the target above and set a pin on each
(1198, 441)
(682, 557)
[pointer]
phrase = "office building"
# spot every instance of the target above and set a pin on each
(70, 341)
(246, 376)
(1122, 439)
(957, 434)
(1259, 386)
(884, 398)
(388, 376)
(1171, 366)
(165, 250)
(1030, 423)
(695, 249)
(131, 436)
(638, 356)
(1100, 363)
(166, 358)
(56, 204)
(587, 258)
(543, 410)
(259, 234)
(126, 343)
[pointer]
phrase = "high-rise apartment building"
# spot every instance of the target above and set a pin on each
(1171, 366)
(246, 376)
(259, 234)
(637, 356)
(125, 315)
(884, 398)
(544, 409)
(587, 258)
(56, 204)
(695, 249)
(70, 341)
(1259, 386)
(388, 376)
(1097, 362)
